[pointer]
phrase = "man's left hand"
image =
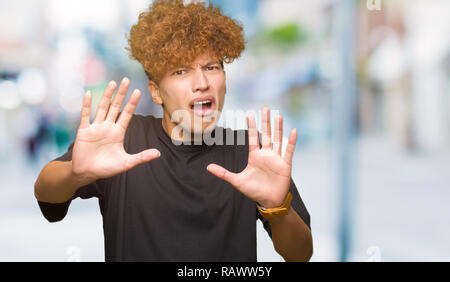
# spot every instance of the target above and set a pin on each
(266, 179)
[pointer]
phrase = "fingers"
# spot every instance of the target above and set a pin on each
(253, 138)
(278, 135)
(128, 110)
(86, 110)
(142, 157)
(224, 174)
(103, 106)
(266, 138)
(290, 146)
(118, 100)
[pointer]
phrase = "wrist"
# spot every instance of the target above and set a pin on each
(270, 204)
(280, 210)
(79, 179)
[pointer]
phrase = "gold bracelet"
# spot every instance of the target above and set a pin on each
(276, 212)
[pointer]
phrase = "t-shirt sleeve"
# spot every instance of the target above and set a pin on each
(57, 211)
(297, 204)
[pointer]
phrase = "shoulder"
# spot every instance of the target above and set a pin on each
(139, 122)
(142, 119)
(139, 132)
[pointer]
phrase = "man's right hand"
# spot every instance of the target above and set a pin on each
(98, 151)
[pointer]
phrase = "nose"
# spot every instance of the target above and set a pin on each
(200, 81)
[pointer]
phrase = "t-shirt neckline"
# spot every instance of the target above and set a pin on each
(163, 136)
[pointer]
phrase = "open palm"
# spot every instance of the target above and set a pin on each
(98, 151)
(266, 179)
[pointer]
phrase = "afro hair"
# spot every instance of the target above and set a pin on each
(171, 34)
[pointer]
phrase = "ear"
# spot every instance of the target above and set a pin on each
(153, 88)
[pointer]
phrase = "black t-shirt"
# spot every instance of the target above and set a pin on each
(172, 208)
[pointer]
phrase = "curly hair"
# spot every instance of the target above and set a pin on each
(171, 34)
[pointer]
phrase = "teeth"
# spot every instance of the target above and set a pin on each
(202, 102)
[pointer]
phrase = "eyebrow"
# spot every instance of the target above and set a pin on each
(207, 64)
(182, 67)
(212, 63)
(190, 67)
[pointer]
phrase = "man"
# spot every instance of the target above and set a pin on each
(163, 200)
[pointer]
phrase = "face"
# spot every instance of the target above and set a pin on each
(192, 97)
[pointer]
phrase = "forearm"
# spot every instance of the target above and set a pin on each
(291, 237)
(56, 182)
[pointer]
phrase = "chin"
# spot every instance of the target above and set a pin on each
(190, 123)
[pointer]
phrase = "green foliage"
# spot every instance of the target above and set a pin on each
(287, 34)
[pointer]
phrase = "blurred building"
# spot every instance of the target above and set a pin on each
(52, 51)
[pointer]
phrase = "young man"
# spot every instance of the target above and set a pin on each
(163, 200)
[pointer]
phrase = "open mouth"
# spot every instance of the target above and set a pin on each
(203, 107)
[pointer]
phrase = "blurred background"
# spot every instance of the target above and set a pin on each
(366, 84)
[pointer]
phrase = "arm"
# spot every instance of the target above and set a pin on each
(266, 180)
(291, 237)
(57, 183)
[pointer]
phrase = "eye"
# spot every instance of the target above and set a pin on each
(179, 72)
(214, 67)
